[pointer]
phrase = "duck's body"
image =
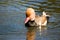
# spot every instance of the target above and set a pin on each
(42, 20)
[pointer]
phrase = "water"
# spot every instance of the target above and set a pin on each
(12, 15)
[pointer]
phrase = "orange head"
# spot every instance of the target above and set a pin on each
(30, 14)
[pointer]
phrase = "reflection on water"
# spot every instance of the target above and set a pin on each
(42, 33)
(43, 30)
(12, 19)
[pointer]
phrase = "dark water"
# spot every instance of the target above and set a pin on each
(12, 15)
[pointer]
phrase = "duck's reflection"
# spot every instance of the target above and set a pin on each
(42, 31)
(32, 32)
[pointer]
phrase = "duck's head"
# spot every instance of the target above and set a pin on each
(30, 14)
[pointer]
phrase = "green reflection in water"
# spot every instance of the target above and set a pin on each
(52, 1)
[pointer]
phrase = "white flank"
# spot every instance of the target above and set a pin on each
(45, 23)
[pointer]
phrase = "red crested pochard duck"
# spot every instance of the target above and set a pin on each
(33, 21)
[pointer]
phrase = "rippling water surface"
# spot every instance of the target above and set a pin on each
(12, 15)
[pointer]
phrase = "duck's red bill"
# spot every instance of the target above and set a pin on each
(27, 19)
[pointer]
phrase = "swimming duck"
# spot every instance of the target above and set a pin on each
(33, 21)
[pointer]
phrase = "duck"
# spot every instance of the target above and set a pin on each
(33, 21)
